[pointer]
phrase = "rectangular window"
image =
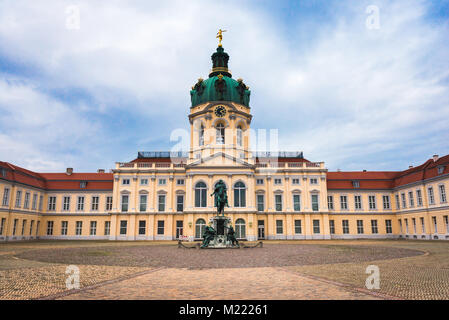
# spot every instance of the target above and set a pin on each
(66, 204)
(295, 181)
(95, 203)
(26, 203)
(418, 198)
(161, 204)
(80, 204)
(259, 182)
(2, 226)
(446, 223)
(125, 199)
(179, 203)
(358, 202)
(315, 206)
(108, 203)
(18, 198)
(31, 227)
(345, 225)
(123, 227)
(143, 203)
(388, 227)
(313, 181)
(411, 200)
(386, 202)
(343, 202)
(5, 200)
(41, 201)
(16, 221)
(406, 225)
(332, 226)
(423, 227)
(34, 205)
(24, 223)
(142, 227)
(51, 203)
(374, 229)
(180, 182)
(143, 182)
(442, 193)
(125, 182)
(356, 184)
(279, 227)
(162, 182)
(372, 202)
(260, 202)
(330, 202)
(79, 228)
(277, 181)
(296, 202)
(360, 227)
(107, 228)
(316, 226)
(414, 225)
(400, 225)
(298, 227)
(278, 201)
(93, 228)
(431, 197)
(64, 227)
(49, 228)
(435, 225)
(160, 227)
(404, 202)
(83, 184)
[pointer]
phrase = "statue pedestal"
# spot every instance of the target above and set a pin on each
(220, 240)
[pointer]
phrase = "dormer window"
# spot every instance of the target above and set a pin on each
(440, 169)
(356, 184)
(83, 184)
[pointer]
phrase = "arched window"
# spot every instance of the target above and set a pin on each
(200, 195)
(220, 133)
(239, 135)
(239, 194)
(240, 232)
(199, 228)
(201, 137)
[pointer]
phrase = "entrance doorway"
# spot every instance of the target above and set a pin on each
(261, 229)
(179, 228)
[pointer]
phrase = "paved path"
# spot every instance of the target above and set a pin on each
(232, 283)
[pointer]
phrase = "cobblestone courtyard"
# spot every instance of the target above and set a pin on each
(280, 270)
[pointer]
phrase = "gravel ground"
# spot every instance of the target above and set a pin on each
(272, 255)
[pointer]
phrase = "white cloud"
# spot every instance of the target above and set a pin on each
(355, 94)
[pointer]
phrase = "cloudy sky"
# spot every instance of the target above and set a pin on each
(339, 84)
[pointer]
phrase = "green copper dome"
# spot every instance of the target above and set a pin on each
(220, 86)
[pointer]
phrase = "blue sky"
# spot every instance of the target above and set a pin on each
(354, 97)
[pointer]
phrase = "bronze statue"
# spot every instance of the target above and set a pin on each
(209, 234)
(231, 236)
(221, 198)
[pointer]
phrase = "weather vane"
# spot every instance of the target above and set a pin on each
(220, 36)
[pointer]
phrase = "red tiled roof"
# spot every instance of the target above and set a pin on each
(58, 181)
(386, 179)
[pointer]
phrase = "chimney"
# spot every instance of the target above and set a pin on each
(364, 170)
(410, 167)
(338, 170)
(100, 171)
(69, 171)
(435, 158)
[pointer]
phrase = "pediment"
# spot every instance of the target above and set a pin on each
(220, 159)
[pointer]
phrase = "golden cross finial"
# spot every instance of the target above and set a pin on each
(220, 36)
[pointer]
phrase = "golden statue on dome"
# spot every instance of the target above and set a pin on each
(220, 36)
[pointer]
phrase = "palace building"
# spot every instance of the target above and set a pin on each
(166, 195)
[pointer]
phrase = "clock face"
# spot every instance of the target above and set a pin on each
(220, 111)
